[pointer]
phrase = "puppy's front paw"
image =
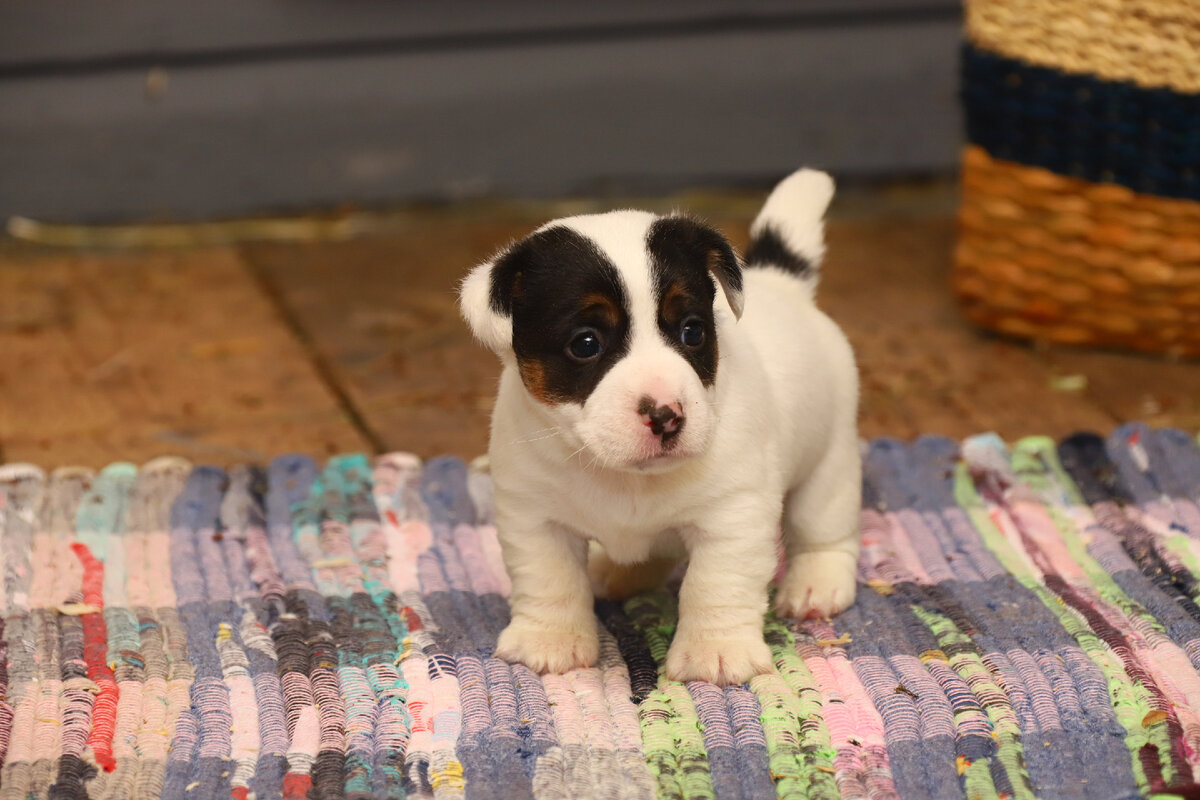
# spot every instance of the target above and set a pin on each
(817, 585)
(725, 660)
(549, 647)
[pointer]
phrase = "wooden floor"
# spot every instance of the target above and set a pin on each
(351, 340)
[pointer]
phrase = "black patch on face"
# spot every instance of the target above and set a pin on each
(685, 256)
(555, 285)
(767, 249)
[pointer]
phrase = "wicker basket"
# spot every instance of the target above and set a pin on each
(1080, 220)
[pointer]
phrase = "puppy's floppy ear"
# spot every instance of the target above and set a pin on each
(723, 264)
(486, 301)
(683, 240)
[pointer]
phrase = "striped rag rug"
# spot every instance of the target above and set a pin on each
(1028, 625)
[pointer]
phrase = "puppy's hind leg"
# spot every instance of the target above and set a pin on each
(821, 537)
(614, 581)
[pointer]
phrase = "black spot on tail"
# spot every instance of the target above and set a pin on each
(768, 250)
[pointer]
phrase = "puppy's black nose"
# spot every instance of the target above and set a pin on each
(663, 420)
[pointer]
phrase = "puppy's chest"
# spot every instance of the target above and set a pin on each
(627, 523)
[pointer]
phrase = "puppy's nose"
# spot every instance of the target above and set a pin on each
(663, 420)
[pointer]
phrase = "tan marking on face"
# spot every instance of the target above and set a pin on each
(674, 300)
(603, 305)
(533, 375)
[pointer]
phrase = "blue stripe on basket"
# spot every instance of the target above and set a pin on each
(1078, 125)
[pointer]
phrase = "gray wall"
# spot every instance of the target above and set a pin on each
(137, 109)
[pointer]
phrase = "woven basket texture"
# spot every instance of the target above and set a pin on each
(1153, 43)
(1080, 216)
(1050, 257)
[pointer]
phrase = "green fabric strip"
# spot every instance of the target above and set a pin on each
(992, 699)
(1129, 698)
(799, 750)
(671, 733)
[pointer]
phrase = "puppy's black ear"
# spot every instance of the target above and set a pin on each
(680, 240)
(486, 300)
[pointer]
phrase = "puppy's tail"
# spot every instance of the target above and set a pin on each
(789, 232)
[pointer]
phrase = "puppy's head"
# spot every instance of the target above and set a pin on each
(612, 321)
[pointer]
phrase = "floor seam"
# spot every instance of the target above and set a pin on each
(320, 364)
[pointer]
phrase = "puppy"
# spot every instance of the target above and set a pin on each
(640, 410)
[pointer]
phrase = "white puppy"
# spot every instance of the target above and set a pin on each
(642, 412)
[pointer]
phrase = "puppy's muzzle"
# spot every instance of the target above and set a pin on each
(664, 421)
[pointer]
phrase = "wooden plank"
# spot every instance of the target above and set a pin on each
(1134, 387)
(133, 355)
(587, 117)
(382, 312)
(55, 34)
(924, 369)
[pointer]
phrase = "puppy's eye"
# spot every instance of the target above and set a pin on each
(691, 333)
(585, 346)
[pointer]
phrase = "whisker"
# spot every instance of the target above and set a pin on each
(600, 458)
(555, 431)
(549, 428)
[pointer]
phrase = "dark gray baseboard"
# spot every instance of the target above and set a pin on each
(343, 114)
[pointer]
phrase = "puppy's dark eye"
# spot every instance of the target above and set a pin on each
(585, 346)
(691, 333)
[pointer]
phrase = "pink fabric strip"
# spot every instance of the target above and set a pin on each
(863, 718)
(470, 552)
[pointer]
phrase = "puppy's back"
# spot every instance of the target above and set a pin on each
(806, 356)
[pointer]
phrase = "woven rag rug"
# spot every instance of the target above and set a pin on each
(1027, 626)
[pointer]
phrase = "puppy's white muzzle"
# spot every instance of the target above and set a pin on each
(649, 413)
